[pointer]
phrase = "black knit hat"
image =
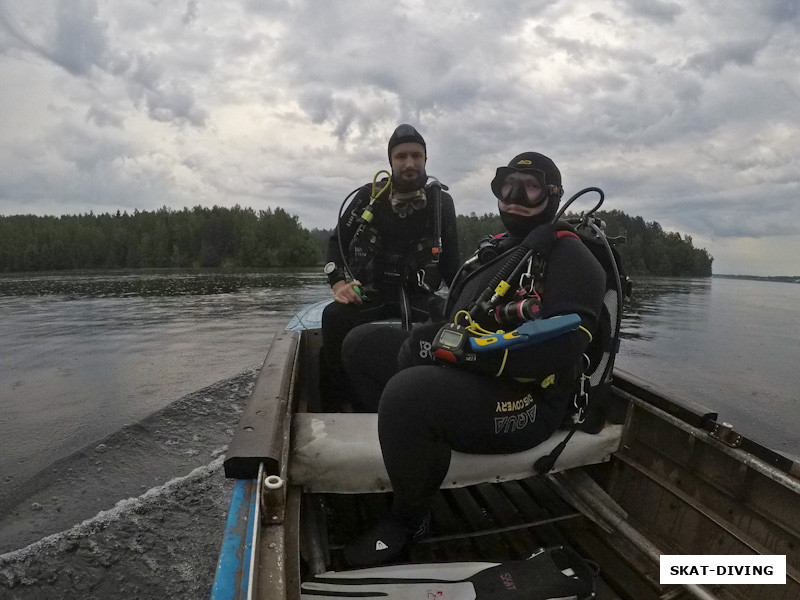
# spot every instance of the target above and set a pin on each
(405, 133)
(531, 162)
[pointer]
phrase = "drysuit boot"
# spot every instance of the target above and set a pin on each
(388, 541)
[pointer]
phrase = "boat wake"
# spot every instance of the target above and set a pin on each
(163, 543)
(123, 509)
(137, 514)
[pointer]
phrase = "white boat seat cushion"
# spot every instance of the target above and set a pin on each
(340, 453)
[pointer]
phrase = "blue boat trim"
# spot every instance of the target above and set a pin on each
(233, 568)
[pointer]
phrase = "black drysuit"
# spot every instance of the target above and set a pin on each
(426, 410)
(383, 266)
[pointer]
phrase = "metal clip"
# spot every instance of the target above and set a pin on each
(421, 280)
(582, 397)
(526, 279)
(581, 402)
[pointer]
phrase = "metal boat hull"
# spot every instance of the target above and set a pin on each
(679, 483)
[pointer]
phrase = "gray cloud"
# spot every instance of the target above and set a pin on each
(103, 117)
(738, 53)
(782, 11)
(684, 113)
(190, 16)
(653, 10)
(80, 38)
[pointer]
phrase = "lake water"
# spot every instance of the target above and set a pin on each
(81, 356)
(119, 391)
(730, 345)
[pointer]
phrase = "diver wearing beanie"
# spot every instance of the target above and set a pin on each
(396, 252)
(495, 402)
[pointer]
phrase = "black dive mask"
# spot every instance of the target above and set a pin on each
(518, 225)
(518, 195)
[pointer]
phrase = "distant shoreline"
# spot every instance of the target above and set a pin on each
(780, 278)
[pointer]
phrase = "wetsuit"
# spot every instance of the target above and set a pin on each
(426, 410)
(400, 249)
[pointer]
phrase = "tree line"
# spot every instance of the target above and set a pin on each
(197, 237)
(244, 238)
(644, 247)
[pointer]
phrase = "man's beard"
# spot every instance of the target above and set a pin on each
(404, 185)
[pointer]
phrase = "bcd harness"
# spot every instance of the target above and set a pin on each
(415, 267)
(512, 299)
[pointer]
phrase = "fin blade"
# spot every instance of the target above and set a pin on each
(441, 590)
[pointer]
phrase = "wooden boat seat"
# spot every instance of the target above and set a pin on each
(340, 453)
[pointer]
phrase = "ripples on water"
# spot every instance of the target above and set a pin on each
(731, 345)
(83, 354)
(673, 300)
(92, 367)
(86, 355)
(124, 284)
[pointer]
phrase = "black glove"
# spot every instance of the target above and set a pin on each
(541, 238)
(416, 350)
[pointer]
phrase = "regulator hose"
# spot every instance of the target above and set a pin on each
(515, 259)
(578, 195)
(366, 217)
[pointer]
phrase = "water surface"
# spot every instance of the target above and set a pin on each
(119, 392)
(81, 355)
(731, 345)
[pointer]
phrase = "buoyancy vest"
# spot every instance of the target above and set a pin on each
(604, 345)
(391, 252)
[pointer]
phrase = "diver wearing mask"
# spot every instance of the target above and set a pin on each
(498, 402)
(529, 192)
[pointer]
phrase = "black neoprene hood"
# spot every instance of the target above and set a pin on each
(405, 133)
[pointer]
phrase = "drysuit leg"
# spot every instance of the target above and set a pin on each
(369, 354)
(337, 320)
(428, 411)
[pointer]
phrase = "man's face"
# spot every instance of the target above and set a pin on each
(530, 198)
(408, 162)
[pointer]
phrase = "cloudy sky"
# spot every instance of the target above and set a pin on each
(685, 113)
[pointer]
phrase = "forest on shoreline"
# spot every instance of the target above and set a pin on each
(244, 238)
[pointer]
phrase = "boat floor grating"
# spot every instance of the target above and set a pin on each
(487, 522)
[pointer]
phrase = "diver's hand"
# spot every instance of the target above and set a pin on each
(343, 292)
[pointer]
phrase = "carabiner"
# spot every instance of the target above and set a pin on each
(421, 280)
(581, 401)
(526, 279)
